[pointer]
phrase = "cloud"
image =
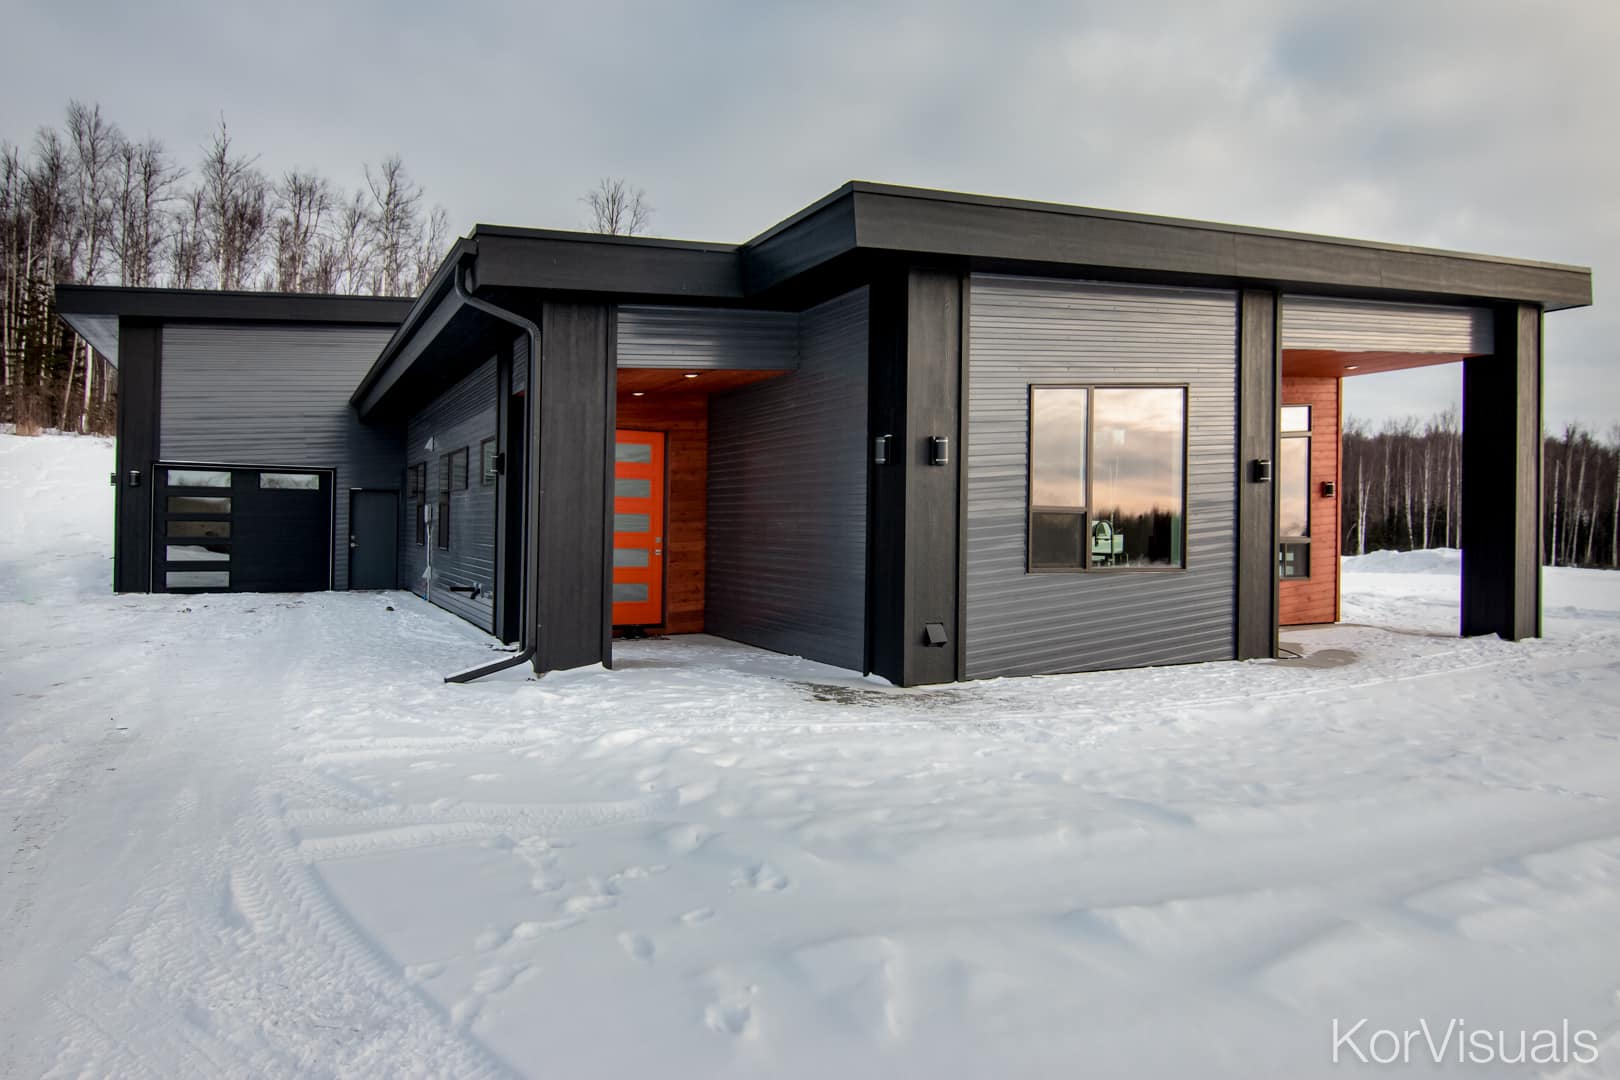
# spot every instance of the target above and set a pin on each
(1468, 124)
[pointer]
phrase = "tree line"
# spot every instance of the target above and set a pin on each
(1402, 489)
(84, 203)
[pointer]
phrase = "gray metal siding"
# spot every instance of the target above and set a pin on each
(1323, 322)
(278, 395)
(463, 416)
(711, 338)
(1025, 331)
(787, 497)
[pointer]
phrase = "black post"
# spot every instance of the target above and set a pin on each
(1501, 480)
(1259, 383)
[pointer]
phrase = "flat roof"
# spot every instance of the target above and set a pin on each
(94, 310)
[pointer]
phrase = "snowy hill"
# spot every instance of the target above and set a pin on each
(257, 836)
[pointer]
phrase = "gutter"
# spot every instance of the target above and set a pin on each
(528, 646)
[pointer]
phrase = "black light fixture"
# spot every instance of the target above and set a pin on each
(939, 450)
(880, 449)
(1260, 471)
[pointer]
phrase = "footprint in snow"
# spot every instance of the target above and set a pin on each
(762, 876)
(638, 946)
(728, 1019)
(698, 915)
(580, 905)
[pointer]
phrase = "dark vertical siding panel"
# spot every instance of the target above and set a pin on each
(462, 417)
(575, 404)
(139, 377)
(689, 337)
(787, 498)
(1259, 383)
(1501, 470)
(1027, 331)
(275, 395)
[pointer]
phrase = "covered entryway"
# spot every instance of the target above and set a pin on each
(223, 528)
(1326, 340)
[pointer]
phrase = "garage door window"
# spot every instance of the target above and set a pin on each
(287, 481)
(198, 478)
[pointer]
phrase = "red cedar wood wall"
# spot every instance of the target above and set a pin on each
(684, 420)
(1316, 599)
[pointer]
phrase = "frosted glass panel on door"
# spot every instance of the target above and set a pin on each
(631, 557)
(629, 591)
(632, 451)
(632, 523)
(632, 488)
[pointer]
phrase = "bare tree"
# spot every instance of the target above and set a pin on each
(617, 208)
(350, 248)
(303, 200)
(430, 252)
(188, 251)
(236, 212)
(146, 181)
(395, 227)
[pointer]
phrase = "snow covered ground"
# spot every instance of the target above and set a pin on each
(257, 836)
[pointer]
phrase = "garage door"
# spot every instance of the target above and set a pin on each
(233, 529)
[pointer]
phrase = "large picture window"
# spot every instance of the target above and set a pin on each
(1107, 477)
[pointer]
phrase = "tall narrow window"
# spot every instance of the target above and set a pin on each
(416, 498)
(1107, 477)
(1294, 493)
(441, 523)
(1057, 477)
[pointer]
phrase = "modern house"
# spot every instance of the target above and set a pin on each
(928, 435)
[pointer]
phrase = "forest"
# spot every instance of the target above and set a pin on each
(1401, 488)
(85, 203)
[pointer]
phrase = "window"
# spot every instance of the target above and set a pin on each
(1107, 477)
(196, 504)
(197, 579)
(457, 475)
(486, 462)
(1294, 493)
(441, 520)
(288, 481)
(198, 478)
(206, 530)
(1294, 560)
(416, 493)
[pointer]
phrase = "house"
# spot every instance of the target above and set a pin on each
(928, 435)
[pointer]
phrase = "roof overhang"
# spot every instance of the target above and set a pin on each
(94, 311)
(837, 239)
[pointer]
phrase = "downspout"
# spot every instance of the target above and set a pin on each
(526, 632)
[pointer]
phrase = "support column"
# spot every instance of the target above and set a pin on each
(913, 532)
(1501, 480)
(571, 404)
(140, 362)
(1259, 382)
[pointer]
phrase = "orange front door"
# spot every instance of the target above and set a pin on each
(638, 528)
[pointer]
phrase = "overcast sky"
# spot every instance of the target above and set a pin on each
(1466, 124)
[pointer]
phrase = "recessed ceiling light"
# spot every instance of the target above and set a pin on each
(690, 375)
(1351, 367)
(637, 393)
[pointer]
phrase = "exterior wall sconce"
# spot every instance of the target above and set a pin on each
(939, 450)
(880, 449)
(1260, 470)
(1329, 489)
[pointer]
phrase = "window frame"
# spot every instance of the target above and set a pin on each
(441, 522)
(1304, 539)
(487, 470)
(1086, 512)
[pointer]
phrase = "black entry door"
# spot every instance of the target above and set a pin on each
(373, 539)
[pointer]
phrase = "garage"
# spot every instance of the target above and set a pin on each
(219, 528)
